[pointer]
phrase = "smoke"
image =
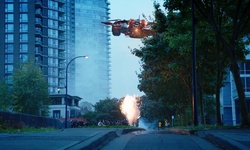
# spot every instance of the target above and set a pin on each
(145, 124)
(130, 109)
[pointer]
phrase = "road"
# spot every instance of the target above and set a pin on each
(158, 140)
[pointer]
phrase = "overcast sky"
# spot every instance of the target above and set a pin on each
(124, 65)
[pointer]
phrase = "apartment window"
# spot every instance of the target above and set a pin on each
(9, 48)
(23, 27)
(50, 51)
(247, 67)
(23, 0)
(23, 17)
(9, 17)
(53, 14)
(38, 49)
(39, 30)
(38, 59)
(8, 68)
(38, 10)
(53, 33)
(23, 37)
(53, 4)
(9, 58)
(23, 58)
(9, 38)
(9, 27)
(9, 79)
(38, 20)
(56, 113)
(52, 23)
(23, 7)
(9, 7)
(23, 48)
(38, 40)
(242, 68)
(53, 42)
(247, 84)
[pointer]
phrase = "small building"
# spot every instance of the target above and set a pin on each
(230, 109)
(57, 108)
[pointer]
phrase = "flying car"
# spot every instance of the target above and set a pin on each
(134, 28)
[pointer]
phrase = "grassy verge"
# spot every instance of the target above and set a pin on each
(26, 129)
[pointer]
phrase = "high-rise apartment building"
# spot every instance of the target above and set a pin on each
(92, 39)
(36, 30)
(52, 32)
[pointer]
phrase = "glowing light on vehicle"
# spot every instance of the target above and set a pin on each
(130, 109)
(143, 22)
(136, 30)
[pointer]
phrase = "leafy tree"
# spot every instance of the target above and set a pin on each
(90, 116)
(30, 90)
(85, 107)
(5, 96)
(166, 61)
(154, 110)
(225, 33)
(108, 109)
(230, 21)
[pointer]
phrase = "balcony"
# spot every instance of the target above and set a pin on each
(61, 66)
(61, 46)
(38, 13)
(61, 37)
(39, 3)
(62, 28)
(39, 33)
(39, 52)
(61, 56)
(53, 45)
(61, 10)
(61, 19)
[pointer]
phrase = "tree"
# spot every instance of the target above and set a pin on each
(85, 107)
(30, 90)
(154, 110)
(5, 96)
(235, 16)
(166, 60)
(108, 109)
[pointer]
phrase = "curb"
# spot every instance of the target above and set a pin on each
(225, 142)
(214, 138)
(95, 142)
(125, 131)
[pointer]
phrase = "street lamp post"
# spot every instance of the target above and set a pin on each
(66, 88)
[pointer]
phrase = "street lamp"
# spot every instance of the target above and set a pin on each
(66, 87)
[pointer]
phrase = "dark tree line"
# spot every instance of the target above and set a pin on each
(222, 30)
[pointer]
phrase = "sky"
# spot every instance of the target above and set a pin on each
(124, 64)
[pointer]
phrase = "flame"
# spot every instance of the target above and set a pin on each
(130, 109)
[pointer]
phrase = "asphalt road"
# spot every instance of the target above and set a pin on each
(157, 140)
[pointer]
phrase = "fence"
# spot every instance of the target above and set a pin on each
(17, 120)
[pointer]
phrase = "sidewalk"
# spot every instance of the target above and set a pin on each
(229, 139)
(70, 139)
